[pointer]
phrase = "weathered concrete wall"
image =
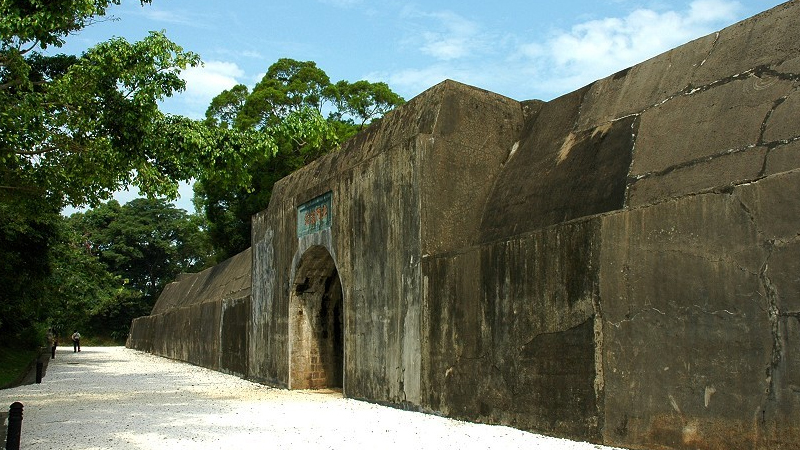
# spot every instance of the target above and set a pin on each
(693, 339)
(202, 318)
(510, 330)
(657, 325)
(698, 333)
(396, 197)
(617, 265)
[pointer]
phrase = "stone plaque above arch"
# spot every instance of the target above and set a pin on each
(315, 215)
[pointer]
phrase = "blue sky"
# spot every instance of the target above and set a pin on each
(520, 49)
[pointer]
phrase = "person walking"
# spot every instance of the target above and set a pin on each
(76, 342)
(53, 340)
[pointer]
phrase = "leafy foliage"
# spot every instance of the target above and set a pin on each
(28, 228)
(119, 259)
(76, 129)
(226, 106)
(147, 242)
(288, 87)
(363, 100)
(79, 283)
(47, 22)
(286, 108)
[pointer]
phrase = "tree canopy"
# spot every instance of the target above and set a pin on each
(362, 100)
(74, 129)
(288, 106)
(112, 262)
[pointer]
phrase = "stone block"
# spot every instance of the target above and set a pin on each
(767, 39)
(229, 279)
(557, 175)
(773, 205)
(235, 335)
(725, 170)
(693, 127)
(643, 86)
(783, 158)
(453, 187)
(687, 333)
(789, 67)
(782, 269)
(783, 124)
(510, 332)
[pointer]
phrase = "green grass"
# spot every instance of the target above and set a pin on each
(14, 363)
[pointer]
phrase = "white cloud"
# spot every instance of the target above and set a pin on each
(545, 66)
(445, 35)
(203, 84)
(211, 78)
(445, 48)
(705, 11)
(598, 48)
(157, 14)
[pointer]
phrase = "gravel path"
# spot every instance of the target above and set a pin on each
(117, 398)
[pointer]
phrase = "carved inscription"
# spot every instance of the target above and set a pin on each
(315, 215)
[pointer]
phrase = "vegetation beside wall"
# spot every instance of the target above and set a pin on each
(14, 363)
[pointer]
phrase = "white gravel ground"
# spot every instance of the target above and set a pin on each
(116, 398)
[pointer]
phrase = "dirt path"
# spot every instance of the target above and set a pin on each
(116, 398)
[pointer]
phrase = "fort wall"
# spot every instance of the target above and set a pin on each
(617, 265)
(202, 318)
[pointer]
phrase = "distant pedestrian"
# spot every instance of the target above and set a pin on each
(76, 342)
(53, 340)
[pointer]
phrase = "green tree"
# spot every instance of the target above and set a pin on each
(79, 285)
(288, 87)
(28, 228)
(363, 100)
(75, 129)
(225, 107)
(71, 132)
(146, 242)
(286, 106)
(228, 206)
(115, 260)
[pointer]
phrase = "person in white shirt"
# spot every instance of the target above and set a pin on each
(76, 342)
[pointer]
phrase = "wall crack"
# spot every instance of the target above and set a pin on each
(777, 346)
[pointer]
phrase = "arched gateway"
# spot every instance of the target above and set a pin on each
(316, 323)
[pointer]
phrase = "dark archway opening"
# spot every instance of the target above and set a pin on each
(317, 322)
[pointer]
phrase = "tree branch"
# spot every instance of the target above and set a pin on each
(22, 188)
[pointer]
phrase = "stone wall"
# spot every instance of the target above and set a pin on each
(690, 161)
(202, 318)
(511, 332)
(396, 196)
(617, 265)
(627, 288)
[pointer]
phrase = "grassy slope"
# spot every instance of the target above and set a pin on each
(14, 363)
